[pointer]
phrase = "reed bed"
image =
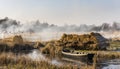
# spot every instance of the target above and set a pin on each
(8, 61)
(108, 54)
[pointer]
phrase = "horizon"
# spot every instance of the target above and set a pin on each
(34, 21)
(62, 12)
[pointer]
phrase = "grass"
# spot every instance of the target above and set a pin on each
(114, 45)
(53, 48)
(10, 62)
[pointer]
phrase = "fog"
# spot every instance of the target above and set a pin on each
(51, 31)
(38, 56)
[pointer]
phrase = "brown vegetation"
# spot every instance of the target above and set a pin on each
(10, 62)
(92, 41)
(11, 41)
(17, 44)
(51, 48)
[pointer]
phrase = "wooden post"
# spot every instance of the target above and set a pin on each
(94, 61)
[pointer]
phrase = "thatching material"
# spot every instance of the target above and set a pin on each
(15, 44)
(92, 41)
(11, 41)
(38, 45)
(17, 40)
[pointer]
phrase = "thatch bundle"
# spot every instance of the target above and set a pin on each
(15, 44)
(38, 45)
(11, 41)
(17, 39)
(92, 41)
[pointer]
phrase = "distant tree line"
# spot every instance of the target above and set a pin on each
(10, 25)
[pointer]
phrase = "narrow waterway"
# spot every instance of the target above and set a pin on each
(36, 55)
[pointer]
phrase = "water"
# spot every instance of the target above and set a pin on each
(112, 67)
(111, 64)
(36, 55)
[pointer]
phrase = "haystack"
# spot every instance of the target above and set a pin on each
(11, 41)
(92, 41)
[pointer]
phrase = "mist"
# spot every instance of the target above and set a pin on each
(10, 26)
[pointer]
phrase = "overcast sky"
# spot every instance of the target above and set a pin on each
(62, 12)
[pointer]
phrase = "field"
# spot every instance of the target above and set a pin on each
(8, 61)
(9, 51)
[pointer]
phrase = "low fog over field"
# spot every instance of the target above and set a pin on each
(51, 31)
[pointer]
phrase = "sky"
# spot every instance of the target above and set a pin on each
(62, 12)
